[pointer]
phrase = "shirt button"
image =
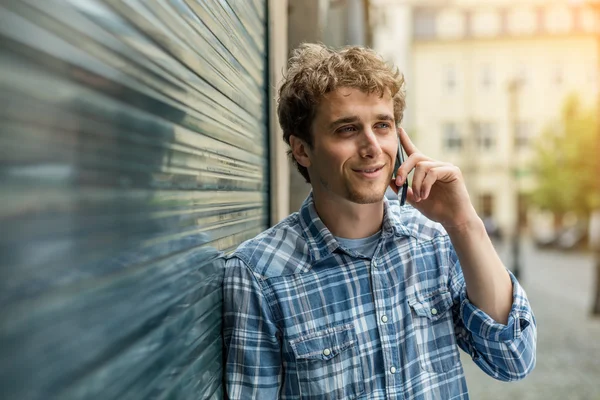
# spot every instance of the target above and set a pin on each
(374, 263)
(384, 319)
(434, 311)
(393, 370)
(326, 352)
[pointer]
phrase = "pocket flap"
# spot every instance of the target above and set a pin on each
(431, 305)
(324, 345)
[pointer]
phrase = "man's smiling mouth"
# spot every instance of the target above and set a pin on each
(370, 170)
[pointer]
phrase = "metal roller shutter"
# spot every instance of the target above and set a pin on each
(133, 148)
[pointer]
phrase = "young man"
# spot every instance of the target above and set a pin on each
(355, 296)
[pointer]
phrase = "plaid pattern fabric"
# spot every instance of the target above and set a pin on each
(305, 318)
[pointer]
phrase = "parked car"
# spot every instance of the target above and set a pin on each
(574, 237)
(568, 238)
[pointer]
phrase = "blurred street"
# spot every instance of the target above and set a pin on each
(560, 287)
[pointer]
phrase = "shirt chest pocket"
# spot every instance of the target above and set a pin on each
(328, 364)
(434, 331)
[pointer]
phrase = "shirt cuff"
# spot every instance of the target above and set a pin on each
(479, 323)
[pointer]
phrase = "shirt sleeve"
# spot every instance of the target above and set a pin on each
(251, 338)
(505, 352)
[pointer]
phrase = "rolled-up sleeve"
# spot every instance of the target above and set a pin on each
(252, 346)
(505, 352)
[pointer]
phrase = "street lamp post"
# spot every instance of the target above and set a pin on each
(595, 223)
(595, 218)
(595, 245)
(515, 239)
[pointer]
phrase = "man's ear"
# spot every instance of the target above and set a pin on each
(300, 151)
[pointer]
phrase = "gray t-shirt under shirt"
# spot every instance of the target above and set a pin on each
(365, 246)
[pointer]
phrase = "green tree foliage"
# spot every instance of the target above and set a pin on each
(567, 162)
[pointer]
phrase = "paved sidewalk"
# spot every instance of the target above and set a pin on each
(560, 287)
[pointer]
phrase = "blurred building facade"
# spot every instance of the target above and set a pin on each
(483, 80)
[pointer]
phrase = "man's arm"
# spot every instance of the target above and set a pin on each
(439, 192)
(493, 319)
(252, 348)
(489, 286)
(505, 351)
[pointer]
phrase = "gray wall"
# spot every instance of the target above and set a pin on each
(133, 149)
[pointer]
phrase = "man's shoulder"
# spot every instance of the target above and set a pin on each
(279, 250)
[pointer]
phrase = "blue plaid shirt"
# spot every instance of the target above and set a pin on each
(305, 318)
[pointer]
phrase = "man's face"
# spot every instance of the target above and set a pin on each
(354, 146)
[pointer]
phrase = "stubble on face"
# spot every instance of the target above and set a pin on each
(356, 195)
(369, 195)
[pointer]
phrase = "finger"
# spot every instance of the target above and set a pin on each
(444, 173)
(428, 182)
(421, 172)
(409, 164)
(407, 144)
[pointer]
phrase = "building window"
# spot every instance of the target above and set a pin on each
(558, 75)
(450, 79)
(486, 77)
(486, 205)
(522, 75)
(486, 211)
(451, 137)
(559, 18)
(424, 24)
(485, 136)
(522, 21)
(383, 18)
(587, 19)
(522, 131)
(486, 23)
(540, 20)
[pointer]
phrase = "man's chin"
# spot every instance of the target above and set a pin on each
(366, 197)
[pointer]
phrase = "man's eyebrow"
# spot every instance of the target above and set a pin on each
(385, 117)
(349, 120)
(343, 120)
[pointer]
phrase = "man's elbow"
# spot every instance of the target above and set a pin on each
(523, 359)
(526, 367)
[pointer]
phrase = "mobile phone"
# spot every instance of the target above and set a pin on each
(403, 190)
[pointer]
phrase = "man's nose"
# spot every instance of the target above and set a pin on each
(369, 146)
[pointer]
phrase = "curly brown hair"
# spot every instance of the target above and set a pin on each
(315, 70)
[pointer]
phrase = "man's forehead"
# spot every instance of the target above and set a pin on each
(349, 92)
(348, 100)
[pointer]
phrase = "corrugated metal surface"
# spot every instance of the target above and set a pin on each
(132, 149)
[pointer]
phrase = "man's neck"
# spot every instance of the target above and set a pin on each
(349, 220)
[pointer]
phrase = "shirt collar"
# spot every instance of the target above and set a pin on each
(321, 241)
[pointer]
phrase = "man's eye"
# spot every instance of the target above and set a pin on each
(383, 125)
(347, 129)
